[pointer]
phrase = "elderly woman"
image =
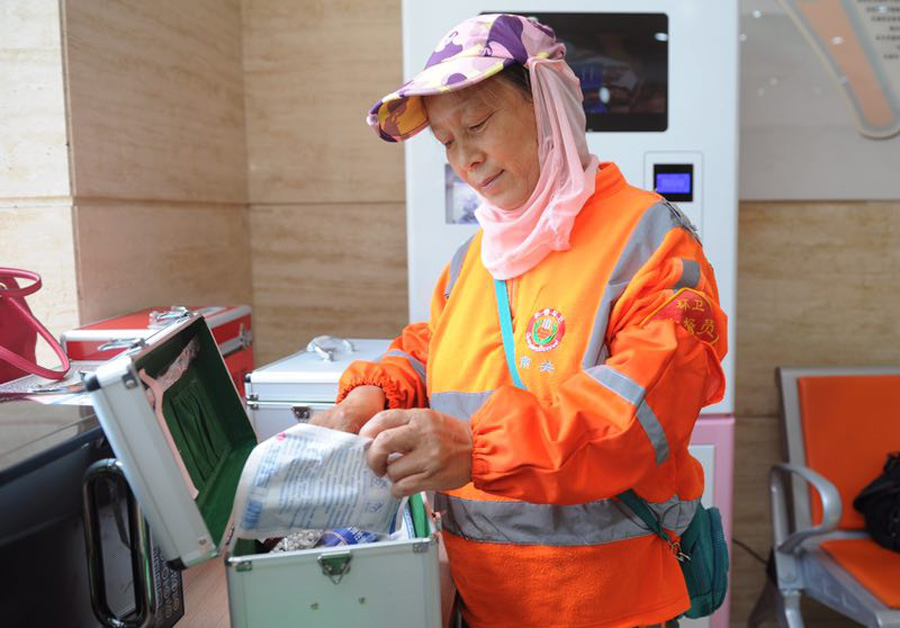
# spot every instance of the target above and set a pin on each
(571, 346)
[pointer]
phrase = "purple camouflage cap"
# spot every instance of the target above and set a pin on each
(474, 50)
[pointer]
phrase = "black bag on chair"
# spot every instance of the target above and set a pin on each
(879, 503)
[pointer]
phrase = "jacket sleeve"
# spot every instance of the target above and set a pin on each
(612, 424)
(401, 370)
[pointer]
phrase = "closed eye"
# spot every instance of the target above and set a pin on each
(445, 143)
(480, 125)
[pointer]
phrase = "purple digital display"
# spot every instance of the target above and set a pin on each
(673, 182)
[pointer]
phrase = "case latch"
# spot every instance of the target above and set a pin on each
(126, 343)
(165, 318)
(335, 566)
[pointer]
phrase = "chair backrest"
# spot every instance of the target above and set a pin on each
(841, 423)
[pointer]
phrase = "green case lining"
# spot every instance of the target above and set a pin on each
(247, 547)
(208, 423)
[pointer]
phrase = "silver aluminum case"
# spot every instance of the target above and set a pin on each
(290, 390)
(388, 584)
(149, 465)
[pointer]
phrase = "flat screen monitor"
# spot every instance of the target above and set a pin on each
(622, 60)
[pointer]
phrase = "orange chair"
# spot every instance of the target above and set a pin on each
(839, 425)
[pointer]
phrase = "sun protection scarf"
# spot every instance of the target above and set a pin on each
(515, 241)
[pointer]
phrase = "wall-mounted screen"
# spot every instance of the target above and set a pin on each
(674, 181)
(622, 60)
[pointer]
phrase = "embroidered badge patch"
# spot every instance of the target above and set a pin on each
(691, 310)
(545, 330)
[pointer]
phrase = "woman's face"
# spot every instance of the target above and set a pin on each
(490, 136)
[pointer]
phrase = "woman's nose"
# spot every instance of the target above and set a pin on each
(471, 155)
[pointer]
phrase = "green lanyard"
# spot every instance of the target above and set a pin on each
(506, 329)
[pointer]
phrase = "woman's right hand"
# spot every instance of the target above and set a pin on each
(360, 405)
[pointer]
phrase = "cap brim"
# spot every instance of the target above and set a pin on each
(401, 114)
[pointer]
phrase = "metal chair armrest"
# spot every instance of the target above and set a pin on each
(831, 505)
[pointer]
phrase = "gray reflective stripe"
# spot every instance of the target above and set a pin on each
(653, 428)
(604, 354)
(624, 386)
(682, 219)
(647, 236)
(456, 266)
(460, 405)
(690, 276)
(635, 394)
(523, 523)
(417, 366)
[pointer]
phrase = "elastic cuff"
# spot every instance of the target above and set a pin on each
(480, 453)
(480, 468)
(393, 397)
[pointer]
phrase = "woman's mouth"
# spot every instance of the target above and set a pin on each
(490, 181)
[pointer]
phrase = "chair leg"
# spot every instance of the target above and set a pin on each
(766, 605)
(789, 615)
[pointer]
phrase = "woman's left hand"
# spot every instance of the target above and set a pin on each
(435, 450)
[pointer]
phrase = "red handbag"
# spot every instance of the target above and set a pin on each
(19, 330)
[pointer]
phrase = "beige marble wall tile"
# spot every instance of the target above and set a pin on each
(312, 71)
(818, 284)
(33, 154)
(136, 255)
(40, 239)
(156, 99)
(326, 269)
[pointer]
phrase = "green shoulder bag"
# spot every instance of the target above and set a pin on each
(701, 552)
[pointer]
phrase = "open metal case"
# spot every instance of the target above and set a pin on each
(389, 583)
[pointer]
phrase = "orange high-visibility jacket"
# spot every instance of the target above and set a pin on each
(618, 342)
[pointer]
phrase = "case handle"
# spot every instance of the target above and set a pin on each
(327, 353)
(110, 469)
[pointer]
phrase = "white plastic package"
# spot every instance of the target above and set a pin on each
(312, 477)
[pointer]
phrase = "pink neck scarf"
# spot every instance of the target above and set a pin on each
(516, 241)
